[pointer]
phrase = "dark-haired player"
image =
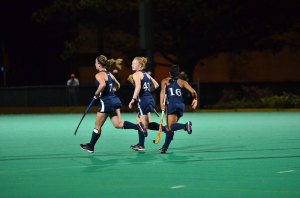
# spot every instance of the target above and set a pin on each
(175, 107)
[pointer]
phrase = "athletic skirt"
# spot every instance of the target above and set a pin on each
(175, 108)
(145, 105)
(109, 104)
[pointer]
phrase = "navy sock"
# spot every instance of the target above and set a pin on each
(169, 138)
(155, 126)
(141, 138)
(177, 126)
(129, 125)
(95, 137)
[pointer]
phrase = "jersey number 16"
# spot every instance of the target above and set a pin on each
(177, 92)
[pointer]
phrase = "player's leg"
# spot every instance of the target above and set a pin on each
(100, 119)
(171, 119)
(142, 122)
(155, 126)
(178, 126)
(145, 106)
(115, 118)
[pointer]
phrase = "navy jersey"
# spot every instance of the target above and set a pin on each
(175, 103)
(145, 99)
(109, 102)
(108, 90)
(145, 86)
(174, 92)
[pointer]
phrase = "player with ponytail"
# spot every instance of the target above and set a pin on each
(175, 106)
(142, 97)
(109, 104)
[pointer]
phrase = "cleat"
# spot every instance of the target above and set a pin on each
(132, 146)
(188, 127)
(163, 150)
(87, 147)
(138, 147)
(142, 129)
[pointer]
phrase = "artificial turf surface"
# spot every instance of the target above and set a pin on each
(229, 154)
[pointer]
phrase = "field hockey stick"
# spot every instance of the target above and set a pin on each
(156, 112)
(161, 122)
(84, 114)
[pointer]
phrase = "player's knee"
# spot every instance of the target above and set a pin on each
(97, 130)
(146, 125)
(172, 127)
(118, 125)
(168, 128)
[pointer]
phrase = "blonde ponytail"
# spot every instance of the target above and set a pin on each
(109, 62)
(142, 61)
(113, 62)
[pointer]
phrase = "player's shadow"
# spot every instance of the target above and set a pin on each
(108, 162)
(183, 154)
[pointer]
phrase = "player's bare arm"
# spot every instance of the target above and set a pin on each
(137, 77)
(153, 82)
(116, 83)
(137, 81)
(187, 86)
(101, 79)
(162, 93)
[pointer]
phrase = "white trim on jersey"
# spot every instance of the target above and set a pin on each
(140, 109)
(102, 106)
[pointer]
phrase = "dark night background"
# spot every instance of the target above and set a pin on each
(32, 48)
(188, 30)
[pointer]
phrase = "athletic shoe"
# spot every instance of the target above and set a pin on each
(142, 129)
(188, 127)
(132, 146)
(138, 147)
(87, 147)
(163, 150)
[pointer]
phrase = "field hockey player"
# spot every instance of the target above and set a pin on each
(144, 84)
(109, 104)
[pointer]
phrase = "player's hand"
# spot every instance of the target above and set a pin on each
(96, 96)
(194, 104)
(132, 102)
(163, 107)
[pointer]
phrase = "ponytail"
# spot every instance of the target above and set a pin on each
(142, 61)
(102, 60)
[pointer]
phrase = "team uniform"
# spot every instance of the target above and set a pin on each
(175, 103)
(145, 105)
(175, 106)
(109, 102)
(145, 99)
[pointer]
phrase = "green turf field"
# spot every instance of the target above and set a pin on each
(234, 154)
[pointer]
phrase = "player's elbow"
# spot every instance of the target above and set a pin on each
(117, 86)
